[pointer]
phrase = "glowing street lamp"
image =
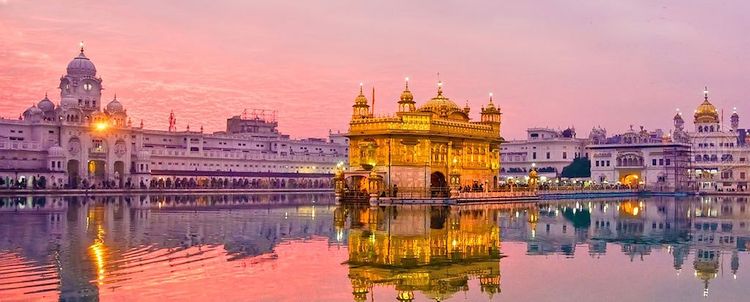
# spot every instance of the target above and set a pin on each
(101, 126)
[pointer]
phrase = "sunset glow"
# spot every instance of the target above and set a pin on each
(551, 60)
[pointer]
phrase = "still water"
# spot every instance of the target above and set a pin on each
(301, 247)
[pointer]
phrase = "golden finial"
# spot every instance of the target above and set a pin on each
(490, 97)
(360, 88)
(81, 46)
(407, 83)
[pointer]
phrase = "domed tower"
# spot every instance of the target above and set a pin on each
(491, 115)
(678, 134)
(33, 114)
(706, 116)
(47, 107)
(116, 112)
(79, 87)
(360, 109)
(679, 123)
(406, 102)
(598, 135)
(735, 120)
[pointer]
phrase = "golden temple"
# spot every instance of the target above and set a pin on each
(426, 150)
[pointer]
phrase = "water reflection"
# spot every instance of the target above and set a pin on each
(155, 247)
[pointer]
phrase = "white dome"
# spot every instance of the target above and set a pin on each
(81, 66)
(32, 111)
(46, 105)
(115, 106)
(55, 151)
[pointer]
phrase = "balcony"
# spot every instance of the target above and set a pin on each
(97, 152)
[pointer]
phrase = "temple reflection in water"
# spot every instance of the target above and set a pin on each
(434, 250)
(82, 248)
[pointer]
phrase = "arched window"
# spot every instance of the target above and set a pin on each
(706, 158)
(714, 157)
(697, 158)
(712, 128)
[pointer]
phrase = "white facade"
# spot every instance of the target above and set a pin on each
(656, 166)
(550, 150)
(720, 155)
(76, 142)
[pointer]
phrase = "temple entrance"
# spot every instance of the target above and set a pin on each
(438, 185)
(630, 180)
(119, 173)
(96, 170)
(73, 173)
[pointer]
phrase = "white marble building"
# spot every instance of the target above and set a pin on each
(720, 155)
(80, 141)
(549, 149)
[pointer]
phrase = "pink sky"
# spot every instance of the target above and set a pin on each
(549, 63)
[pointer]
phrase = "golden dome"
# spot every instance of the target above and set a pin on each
(406, 96)
(706, 112)
(361, 99)
(442, 106)
(490, 107)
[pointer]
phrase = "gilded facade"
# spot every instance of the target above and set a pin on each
(435, 145)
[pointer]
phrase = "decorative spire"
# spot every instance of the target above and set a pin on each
(373, 100)
(705, 93)
(81, 46)
(490, 97)
(115, 96)
(440, 88)
(360, 88)
(45, 95)
(406, 87)
(141, 123)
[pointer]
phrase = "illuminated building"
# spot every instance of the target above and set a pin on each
(81, 140)
(431, 146)
(720, 156)
(638, 159)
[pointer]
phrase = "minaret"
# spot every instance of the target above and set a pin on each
(491, 115)
(360, 109)
(406, 102)
(172, 122)
(679, 123)
(734, 120)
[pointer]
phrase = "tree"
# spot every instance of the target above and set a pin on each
(579, 168)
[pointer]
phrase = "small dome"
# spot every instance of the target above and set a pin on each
(46, 105)
(55, 151)
(406, 95)
(81, 66)
(32, 111)
(361, 99)
(115, 106)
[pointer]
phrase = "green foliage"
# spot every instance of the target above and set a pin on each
(579, 168)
